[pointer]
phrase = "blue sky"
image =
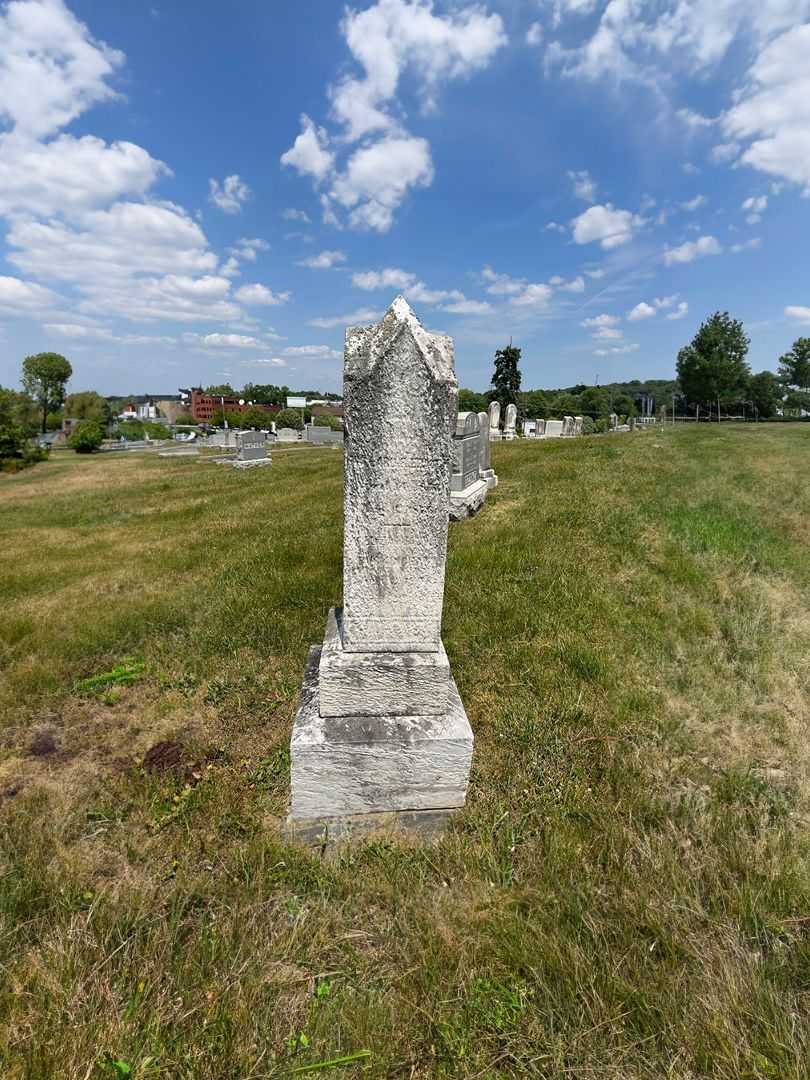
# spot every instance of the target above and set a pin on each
(198, 192)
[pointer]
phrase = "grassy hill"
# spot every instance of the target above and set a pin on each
(626, 895)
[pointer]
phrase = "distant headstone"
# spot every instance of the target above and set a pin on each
(614, 421)
(554, 429)
(323, 436)
(485, 470)
(381, 739)
(578, 424)
(509, 424)
(540, 429)
(251, 450)
(495, 420)
(288, 434)
(467, 489)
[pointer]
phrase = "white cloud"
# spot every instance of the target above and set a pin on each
(248, 247)
(259, 361)
(51, 69)
(228, 341)
(468, 307)
(800, 313)
(774, 108)
(749, 245)
(388, 40)
(325, 261)
(664, 301)
(260, 294)
(554, 226)
(393, 36)
(606, 225)
(584, 185)
(680, 312)
(308, 154)
(534, 35)
(383, 279)
(501, 284)
(629, 348)
(576, 285)
(322, 352)
(533, 295)
(69, 175)
(607, 333)
(595, 274)
(690, 169)
(694, 204)
(361, 317)
(755, 206)
(641, 311)
(291, 214)
(406, 283)
(724, 152)
(693, 249)
(378, 177)
(694, 120)
(598, 322)
(229, 195)
(24, 297)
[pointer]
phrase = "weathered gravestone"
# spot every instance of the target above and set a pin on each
(540, 429)
(578, 424)
(509, 423)
(381, 739)
(495, 420)
(251, 450)
(614, 421)
(568, 425)
(554, 429)
(467, 490)
(485, 470)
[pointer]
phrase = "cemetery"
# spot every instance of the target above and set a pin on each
(457, 754)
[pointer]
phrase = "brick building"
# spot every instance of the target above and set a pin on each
(209, 408)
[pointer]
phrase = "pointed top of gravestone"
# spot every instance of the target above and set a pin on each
(366, 344)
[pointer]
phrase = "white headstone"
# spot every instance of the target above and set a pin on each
(554, 429)
(380, 730)
(509, 424)
(495, 420)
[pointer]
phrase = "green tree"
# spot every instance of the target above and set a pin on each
(223, 390)
(44, 378)
(594, 401)
(714, 365)
(624, 404)
(268, 394)
(87, 436)
(794, 366)
(535, 404)
(185, 418)
(290, 418)
(255, 418)
(17, 423)
(472, 401)
(506, 377)
(766, 393)
(563, 404)
(87, 405)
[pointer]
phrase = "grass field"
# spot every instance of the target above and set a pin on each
(627, 893)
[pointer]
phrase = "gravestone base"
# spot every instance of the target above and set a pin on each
(402, 824)
(467, 502)
(255, 463)
(495, 436)
(489, 476)
(381, 683)
(360, 773)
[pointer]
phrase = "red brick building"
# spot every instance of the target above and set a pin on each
(208, 408)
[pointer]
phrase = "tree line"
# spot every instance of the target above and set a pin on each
(712, 373)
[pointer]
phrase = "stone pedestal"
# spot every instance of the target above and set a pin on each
(467, 488)
(381, 741)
